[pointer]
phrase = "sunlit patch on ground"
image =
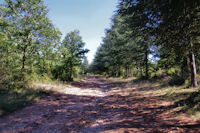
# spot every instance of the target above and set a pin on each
(99, 105)
(84, 92)
(73, 90)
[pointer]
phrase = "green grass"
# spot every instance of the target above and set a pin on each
(43, 78)
(184, 98)
(188, 101)
(11, 100)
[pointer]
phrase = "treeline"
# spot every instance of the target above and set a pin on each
(148, 37)
(31, 46)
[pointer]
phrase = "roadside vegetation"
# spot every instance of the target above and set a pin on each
(31, 50)
(14, 99)
(183, 99)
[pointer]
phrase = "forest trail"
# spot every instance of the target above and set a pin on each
(97, 105)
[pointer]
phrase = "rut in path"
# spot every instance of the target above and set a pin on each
(96, 105)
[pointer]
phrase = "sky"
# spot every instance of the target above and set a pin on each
(90, 17)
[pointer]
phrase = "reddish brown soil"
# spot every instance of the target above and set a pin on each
(112, 112)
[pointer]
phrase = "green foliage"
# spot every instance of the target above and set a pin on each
(84, 66)
(71, 53)
(173, 71)
(28, 41)
(30, 51)
(123, 52)
(30, 46)
(147, 36)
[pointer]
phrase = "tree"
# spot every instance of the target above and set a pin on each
(30, 20)
(28, 41)
(85, 65)
(8, 68)
(172, 24)
(179, 27)
(72, 52)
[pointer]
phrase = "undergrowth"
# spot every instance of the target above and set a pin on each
(14, 99)
(186, 99)
(183, 97)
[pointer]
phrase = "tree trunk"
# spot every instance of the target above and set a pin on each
(126, 72)
(70, 73)
(24, 56)
(146, 64)
(193, 66)
(184, 69)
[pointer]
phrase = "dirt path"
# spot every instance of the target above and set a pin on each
(96, 105)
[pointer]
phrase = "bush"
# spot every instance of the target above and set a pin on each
(16, 98)
(176, 80)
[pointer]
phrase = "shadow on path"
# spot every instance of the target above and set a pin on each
(113, 113)
(98, 82)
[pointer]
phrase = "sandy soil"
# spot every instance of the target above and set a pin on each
(96, 105)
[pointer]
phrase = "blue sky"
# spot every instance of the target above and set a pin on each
(91, 17)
